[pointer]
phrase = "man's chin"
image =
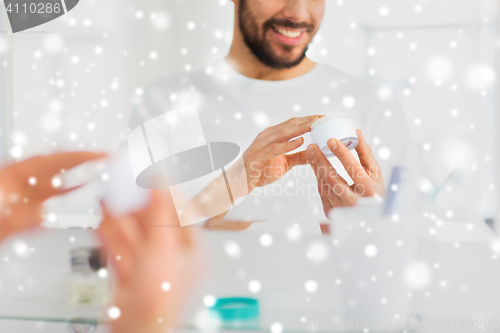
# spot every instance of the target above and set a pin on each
(283, 54)
(288, 62)
(280, 56)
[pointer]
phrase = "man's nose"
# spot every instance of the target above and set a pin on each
(296, 10)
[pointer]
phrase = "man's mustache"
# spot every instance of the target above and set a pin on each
(289, 24)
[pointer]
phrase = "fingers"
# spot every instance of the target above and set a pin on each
(48, 166)
(351, 165)
(160, 223)
(293, 122)
(328, 200)
(325, 229)
(277, 149)
(336, 186)
(322, 167)
(23, 220)
(366, 157)
(43, 169)
(153, 228)
(299, 158)
(159, 213)
(285, 131)
(291, 129)
(327, 205)
(117, 242)
(275, 140)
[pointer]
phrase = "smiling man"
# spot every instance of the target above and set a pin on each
(275, 34)
(264, 96)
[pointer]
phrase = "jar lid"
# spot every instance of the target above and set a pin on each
(236, 308)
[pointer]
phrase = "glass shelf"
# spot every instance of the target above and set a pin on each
(50, 311)
(91, 317)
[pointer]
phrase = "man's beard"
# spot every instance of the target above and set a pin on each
(261, 47)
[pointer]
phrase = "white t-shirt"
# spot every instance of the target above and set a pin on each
(235, 108)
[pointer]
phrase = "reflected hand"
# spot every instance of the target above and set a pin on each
(20, 200)
(265, 159)
(333, 189)
(153, 258)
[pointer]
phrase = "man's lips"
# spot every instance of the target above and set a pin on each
(287, 35)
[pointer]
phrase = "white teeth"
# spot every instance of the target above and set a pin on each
(288, 33)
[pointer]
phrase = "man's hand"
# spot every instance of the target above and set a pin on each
(154, 260)
(263, 163)
(26, 185)
(265, 159)
(334, 190)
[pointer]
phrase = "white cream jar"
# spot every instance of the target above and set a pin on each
(338, 126)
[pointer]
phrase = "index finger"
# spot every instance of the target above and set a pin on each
(333, 186)
(290, 132)
(305, 122)
(43, 169)
(350, 163)
(46, 167)
(117, 243)
(323, 168)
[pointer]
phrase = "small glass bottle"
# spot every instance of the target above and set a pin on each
(88, 282)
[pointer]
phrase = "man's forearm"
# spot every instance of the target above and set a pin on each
(213, 202)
